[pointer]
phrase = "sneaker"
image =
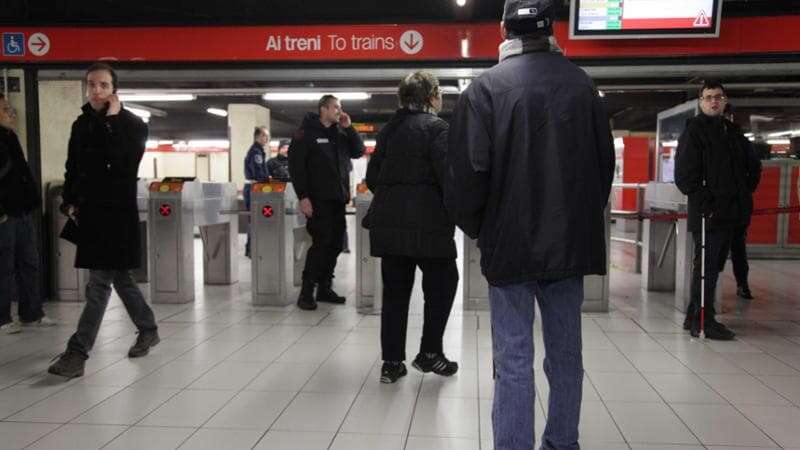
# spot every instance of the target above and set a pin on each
(744, 292)
(144, 341)
(437, 364)
(10, 328)
(392, 371)
(69, 365)
(44, 322)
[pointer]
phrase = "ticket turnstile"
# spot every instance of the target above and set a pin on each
(269, 242)
(68, 282)
(476, 289)
(668, 247)
(175, 209)
(369, 284)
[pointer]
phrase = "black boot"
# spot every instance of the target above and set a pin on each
(144, 341)
(306, 299)
(70, 364)
(325, 294)
(743, 291)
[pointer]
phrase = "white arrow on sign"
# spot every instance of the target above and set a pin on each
(39, 44)
(411, 42)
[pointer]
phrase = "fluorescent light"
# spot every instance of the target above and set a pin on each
(165, 142)
(461, 2)
(749, 135)
(370, 143)
(151, 144)
(314, 96)
(781, 133)
(217, 112)
(217, 143)
(669, 144)
(142, 113)
(157, 97)
(778, 142)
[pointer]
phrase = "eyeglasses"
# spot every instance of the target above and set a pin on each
(712, 98)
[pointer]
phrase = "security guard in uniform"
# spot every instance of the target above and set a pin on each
(318, 159)
(255, 170)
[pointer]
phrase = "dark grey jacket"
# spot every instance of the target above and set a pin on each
(530, 165)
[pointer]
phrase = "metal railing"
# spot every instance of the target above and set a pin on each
(632, 215)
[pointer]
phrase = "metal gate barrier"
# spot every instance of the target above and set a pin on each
(269, 242)
(369, 284)
(175, 208)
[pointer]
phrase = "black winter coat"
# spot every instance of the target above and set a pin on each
(279, 168)
(530, 165)
(407, 216)
(102, 165)
(19, 191)
(714, 149)
(319, 158)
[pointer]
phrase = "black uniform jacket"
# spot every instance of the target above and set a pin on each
(319, 157)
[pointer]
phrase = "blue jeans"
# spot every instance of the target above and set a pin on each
(512, 310)
(19, 269)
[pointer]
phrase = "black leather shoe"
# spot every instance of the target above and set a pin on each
(144, 341)
(306, 299)
(744, 292)
(69, 365)
(325, 294)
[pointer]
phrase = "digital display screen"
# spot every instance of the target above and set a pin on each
(625, 19)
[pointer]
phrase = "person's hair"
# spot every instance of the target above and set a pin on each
(711, 84)
(99, 66)
(324, 100)
(416, 89)
(258, 132)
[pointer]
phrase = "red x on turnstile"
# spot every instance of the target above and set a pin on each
(165, 210)
(267, 211)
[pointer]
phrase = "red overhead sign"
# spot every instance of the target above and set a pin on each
(398, 42)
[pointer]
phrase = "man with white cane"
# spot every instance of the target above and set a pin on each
(711, 168)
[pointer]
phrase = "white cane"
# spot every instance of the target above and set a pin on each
(703, 266)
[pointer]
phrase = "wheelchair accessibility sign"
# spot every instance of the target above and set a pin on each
(13, 44)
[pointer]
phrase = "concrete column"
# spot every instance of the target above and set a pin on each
(242, 120)
(60, 104)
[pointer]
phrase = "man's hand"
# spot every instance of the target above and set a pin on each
(306, 207)
(114, 105)
(344, 120)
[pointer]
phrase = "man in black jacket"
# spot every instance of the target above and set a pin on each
(19, 258)
(713, 169)
(530, 165)
(318, 159)
(279, 165)
(741, 269)
(105, 148)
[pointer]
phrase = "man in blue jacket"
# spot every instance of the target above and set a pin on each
(255, 170)
(530, 165)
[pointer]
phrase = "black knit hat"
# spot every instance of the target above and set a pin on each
(522, 17)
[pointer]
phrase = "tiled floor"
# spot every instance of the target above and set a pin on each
(228, 375)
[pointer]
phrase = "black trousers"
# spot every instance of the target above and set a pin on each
(326, 227)
(718, 244)
(439, 284)
(98, 291)
(739, 255)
